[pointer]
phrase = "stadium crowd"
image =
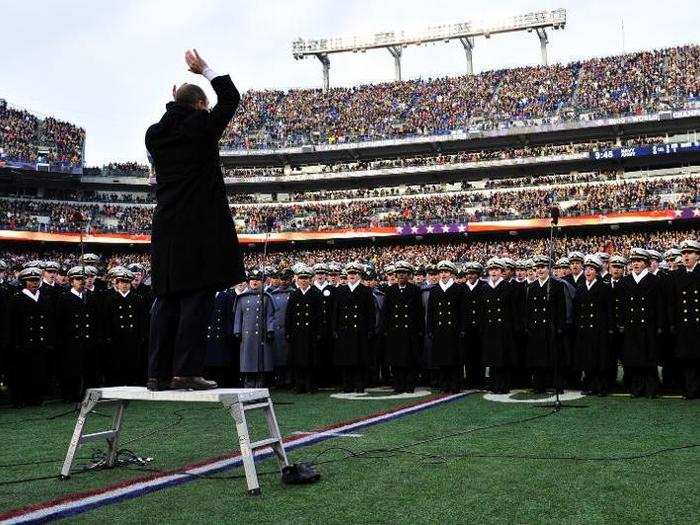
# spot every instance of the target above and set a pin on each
(390, 211)
(132, 169)
(381, 255)
(629, 84)
(17, 133)
(477, 314)
(638, 83)
(447, 159)
(22, 135)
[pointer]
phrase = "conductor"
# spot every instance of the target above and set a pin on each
(194, 247)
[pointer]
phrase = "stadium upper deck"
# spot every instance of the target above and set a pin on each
(48, 144)
(561, 100)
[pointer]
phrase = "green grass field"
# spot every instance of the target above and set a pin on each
(445, 480)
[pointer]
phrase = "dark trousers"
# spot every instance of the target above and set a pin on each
(450, 378)
(255, 379)
(403, 378)
(691, 378)
(282, 376)
(597, 381)
(226, 376)
(642, 380)
(178, 342)
(78, 373)
(327, 371)
(540, 379)
(353, 378)
(672, 373)
(27, 377)
(124, 366)
(474, 368)
(500, 379)
(303, 379)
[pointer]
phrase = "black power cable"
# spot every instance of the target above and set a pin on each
(177, 413)
(385, 453)
(73, 411)
(128, 459)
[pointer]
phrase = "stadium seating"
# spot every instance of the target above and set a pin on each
(381, 255)
(347, 209)
(622, 85)
(24, 136)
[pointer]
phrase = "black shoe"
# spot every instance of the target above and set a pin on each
(192, 383)
(156, 385)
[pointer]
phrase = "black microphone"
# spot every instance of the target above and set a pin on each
(555, 212)
(269, 223)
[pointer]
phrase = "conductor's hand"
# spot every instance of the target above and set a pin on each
(195, 63)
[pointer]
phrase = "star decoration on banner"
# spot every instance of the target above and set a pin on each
(422, 229)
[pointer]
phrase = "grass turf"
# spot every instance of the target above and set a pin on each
(440, 481)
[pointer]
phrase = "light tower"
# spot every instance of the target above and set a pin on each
(396, 41)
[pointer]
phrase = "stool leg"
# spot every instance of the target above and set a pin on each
(85, 408)
(251, 476)
(274, 430)
(113, 443)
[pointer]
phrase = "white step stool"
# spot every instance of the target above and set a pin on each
(236, 400)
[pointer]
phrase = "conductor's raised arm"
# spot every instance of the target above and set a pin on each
(227, 96)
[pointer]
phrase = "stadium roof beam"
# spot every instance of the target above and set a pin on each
(396, 42)
(468, 43)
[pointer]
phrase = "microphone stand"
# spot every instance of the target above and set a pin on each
(557, 405)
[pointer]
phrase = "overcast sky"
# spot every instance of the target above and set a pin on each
(110, 65)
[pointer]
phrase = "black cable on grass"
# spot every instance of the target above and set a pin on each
(631, 457)
(128, 459)
(177, 413)
(443, 458)
(25, 480)
(73, 411)
(440, 437)
(40, 478)
(179, 417)
(390, 452)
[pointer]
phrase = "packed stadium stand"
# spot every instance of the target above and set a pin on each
(611, 141)
(27, 141)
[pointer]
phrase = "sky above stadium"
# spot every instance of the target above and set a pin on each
(109, 66)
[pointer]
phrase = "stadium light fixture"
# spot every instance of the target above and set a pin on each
(396, 41)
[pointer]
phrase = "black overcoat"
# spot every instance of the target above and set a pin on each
(193, 239)
(79, 334)
(302, 327)
(220, 340)
(642, 316)
(545, 320)
(426, 357)
(469, 309)
(5, 294)
(496, 315)
(684, 312)
(125, 329)
(353, 324)
(31, 336)
(403, 321)
(593, 327)
(444, 324)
